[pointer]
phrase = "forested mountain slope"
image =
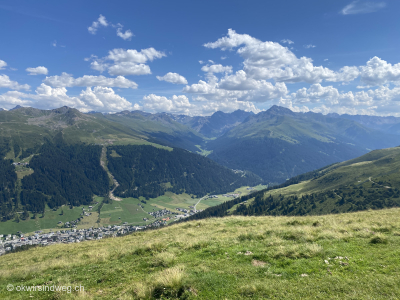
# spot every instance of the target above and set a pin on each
(371, 181)
(60, 174)
(148, 171)
(278, 144)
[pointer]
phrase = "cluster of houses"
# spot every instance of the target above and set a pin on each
(186, 212)
(159, 223)
(160, 213)
(231, 195)
(12, 242)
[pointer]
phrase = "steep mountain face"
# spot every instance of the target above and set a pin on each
(371, 181)
(216, 124)
(278, 144)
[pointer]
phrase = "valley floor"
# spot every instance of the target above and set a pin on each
(118, 212)
(343, 256)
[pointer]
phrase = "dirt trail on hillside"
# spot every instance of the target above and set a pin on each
(103, 160)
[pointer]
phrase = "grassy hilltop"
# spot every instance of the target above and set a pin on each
(343, 256)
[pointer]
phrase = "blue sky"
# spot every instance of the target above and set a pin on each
(197, 57)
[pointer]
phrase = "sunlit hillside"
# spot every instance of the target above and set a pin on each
(344, 256)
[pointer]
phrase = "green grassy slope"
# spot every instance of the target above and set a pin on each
(380, 165)
(347, 256)
(30, 127)
(371, 181)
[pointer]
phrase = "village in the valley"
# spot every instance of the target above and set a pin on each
(70, 234)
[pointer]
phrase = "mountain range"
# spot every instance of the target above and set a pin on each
(276, 144)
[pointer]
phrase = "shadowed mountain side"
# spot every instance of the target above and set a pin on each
(278, 144)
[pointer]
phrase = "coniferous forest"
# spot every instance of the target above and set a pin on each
(8, 179)
(148, 171)
(62, 174)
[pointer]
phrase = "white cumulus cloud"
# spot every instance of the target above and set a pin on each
(181, 105)
(129, 68)
(217, 69)
(127, 35)
(176, 104)
(3, 64)
(270, 60)
(67, 80)
(101, 21)
(237, 87)
(174, 78)
(37, 71)
(126, 61)
(132, 55)
(377, 72)
(102, 99)
(6, 82)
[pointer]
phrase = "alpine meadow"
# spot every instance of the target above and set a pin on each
(200, 150)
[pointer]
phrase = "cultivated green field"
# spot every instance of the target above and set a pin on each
(126, 210)
(129, 211)
(343, 256)
(49, 221)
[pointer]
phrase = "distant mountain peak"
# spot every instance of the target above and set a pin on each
(279, 110)
(18, 106)
(65, 109)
